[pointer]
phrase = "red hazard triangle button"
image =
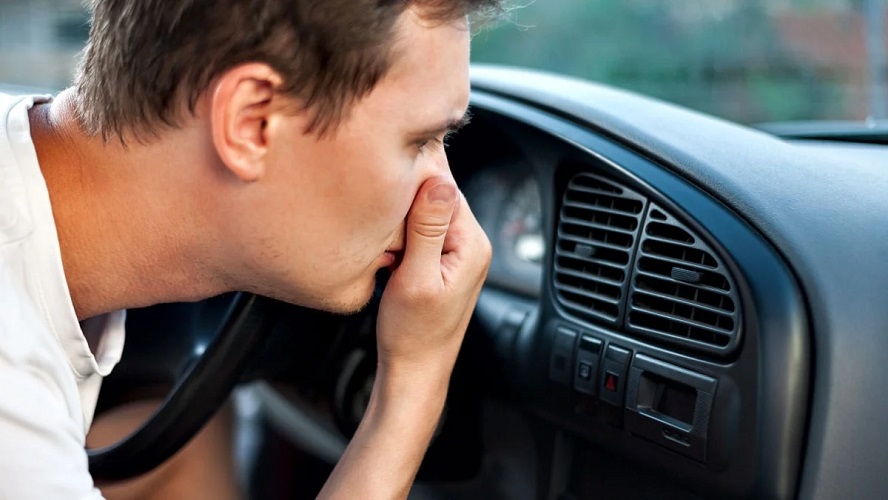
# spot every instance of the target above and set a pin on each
(610, 381)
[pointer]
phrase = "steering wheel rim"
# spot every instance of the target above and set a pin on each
(196, 395)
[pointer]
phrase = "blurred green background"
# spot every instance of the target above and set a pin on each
(746, 60)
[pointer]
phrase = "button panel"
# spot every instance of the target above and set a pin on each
(607, 385)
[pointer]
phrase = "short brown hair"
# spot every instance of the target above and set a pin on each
(146, 58)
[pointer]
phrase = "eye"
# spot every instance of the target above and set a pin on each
(429, 145)
(433, 144)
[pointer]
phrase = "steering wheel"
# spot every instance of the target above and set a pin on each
(196, 395)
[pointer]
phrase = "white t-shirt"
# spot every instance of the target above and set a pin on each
(49, 377)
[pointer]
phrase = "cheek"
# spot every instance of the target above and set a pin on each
(389, 205)
(401, 193)
(390, 193)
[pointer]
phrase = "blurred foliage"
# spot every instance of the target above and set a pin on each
(724, 57)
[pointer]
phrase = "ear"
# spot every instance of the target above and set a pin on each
(240, 109)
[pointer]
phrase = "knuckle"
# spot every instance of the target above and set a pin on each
(486, 253)
(430, 228)
(486, 249)
(481, 242)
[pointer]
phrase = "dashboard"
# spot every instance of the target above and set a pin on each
(694, 274)
(653, 304)
(678, 307)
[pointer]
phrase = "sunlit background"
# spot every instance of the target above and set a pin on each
(40, 40)
(746, 60)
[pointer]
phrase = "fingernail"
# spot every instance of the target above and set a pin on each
(442, 193)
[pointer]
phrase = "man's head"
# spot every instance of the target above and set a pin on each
(301, 130)
(148, 62)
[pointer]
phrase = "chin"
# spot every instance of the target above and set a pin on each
(346, 308)
(350, 301)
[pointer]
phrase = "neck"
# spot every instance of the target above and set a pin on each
(130, 231)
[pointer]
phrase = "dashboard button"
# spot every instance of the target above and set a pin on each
(561, 358)
(588, 362)
(613, 379)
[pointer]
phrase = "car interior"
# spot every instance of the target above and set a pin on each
(678, 307)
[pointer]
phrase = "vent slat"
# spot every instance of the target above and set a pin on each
(593, 191)
(652, 326)
(578, 274)
(584, 310)
(598, 208)
(679, 253)
(669, 233)
(666, 268)
(680, 319)
(595, 225)
(683, 311)
(595, 251)
(590, 241)
(626, 222)
(588, 259)
(588, 294)
(712, 297)
(605, 202)
(592, 270)
(584, 182)
(660, 239)
(690, 303)
(670, 279)
(618, 239)
(677, 262)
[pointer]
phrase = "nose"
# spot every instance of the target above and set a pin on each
(437, 164)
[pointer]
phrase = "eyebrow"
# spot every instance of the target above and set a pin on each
(448, 127)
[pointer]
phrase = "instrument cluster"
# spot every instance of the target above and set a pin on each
(506, 200)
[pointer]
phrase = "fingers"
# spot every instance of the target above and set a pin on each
(427, 227)
(467, 250)
(460, 225)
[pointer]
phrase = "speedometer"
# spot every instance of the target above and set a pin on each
(521, 231)
(506, 200)
(519, 236)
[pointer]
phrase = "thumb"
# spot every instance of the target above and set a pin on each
(427, 225)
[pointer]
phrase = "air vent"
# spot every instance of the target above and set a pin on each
(596, 236)
(681, 291)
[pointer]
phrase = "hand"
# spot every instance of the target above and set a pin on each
(425, 310)
(430, 296)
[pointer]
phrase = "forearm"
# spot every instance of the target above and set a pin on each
(387, 449)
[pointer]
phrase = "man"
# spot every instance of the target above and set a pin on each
(289, 148)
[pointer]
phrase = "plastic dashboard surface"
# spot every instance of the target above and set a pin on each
(735, 434)
(803, 233)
